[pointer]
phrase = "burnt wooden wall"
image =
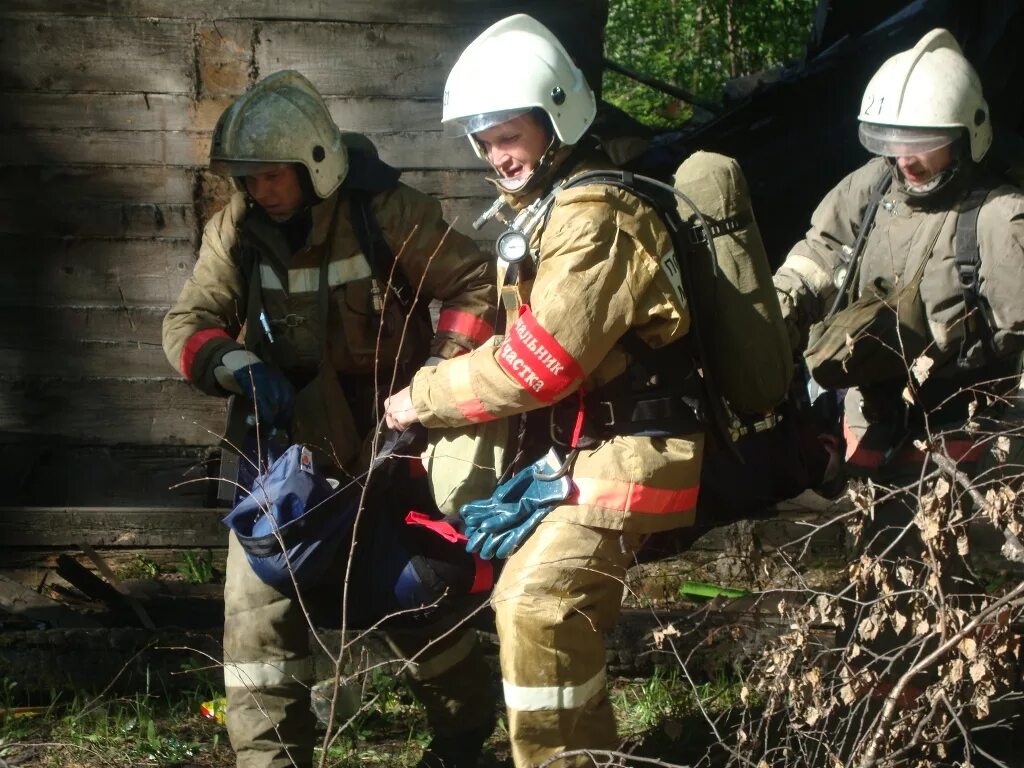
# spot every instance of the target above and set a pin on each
(106, 110)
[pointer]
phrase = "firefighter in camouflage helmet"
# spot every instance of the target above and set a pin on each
(906, 294)
(293, 261)
(589, 303)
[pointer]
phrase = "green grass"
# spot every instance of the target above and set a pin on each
(646, 704)
(148, 728)
(197, 567)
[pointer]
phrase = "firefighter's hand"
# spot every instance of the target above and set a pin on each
(272, 395)
(399, 411)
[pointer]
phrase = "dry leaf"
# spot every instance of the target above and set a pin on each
(1001, 449)
(963, 547)
(899, 622)
(921, 368)
(968, 647)
(661, 634)
(978, 670)
(956, 670)
(868, 628)
(905, 574)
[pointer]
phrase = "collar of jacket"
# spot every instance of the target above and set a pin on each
(366, 174)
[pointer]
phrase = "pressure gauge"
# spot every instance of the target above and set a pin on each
(839, 275)
(511, 246)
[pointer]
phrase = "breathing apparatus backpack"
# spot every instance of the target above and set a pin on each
(719, 264)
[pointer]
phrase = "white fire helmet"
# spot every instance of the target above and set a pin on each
(281, 119)
(924, 99)
(516, 65)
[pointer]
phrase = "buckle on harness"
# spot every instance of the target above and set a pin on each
(290, 320)
(968, 274)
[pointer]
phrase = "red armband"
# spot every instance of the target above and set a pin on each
(535, 359)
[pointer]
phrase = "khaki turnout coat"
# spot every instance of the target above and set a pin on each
(598, 276)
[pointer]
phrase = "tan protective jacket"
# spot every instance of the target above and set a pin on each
(907, 231)
(364, 322)
(598, 276)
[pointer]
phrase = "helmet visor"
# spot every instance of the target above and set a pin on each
(242, 167)
(898, 141)
(470, 124)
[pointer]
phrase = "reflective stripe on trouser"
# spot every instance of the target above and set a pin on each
(267, 671)
(447, 672)
(556, 598)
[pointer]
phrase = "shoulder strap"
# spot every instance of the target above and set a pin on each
(378, 253)
(657, 195)
(967, 257)
(843, 295)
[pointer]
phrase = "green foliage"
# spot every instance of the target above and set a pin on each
(140, 567)
(197, 567)
(697, 45)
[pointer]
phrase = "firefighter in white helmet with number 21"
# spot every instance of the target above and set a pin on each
(593, 320)
(915, 262)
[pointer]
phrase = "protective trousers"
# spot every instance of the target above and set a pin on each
(268, 670)
(557, 597)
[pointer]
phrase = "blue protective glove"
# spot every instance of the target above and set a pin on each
(271, 393)
(498, 525)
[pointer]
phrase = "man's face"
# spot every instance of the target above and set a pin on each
(918, 170)
(277, 191)
(514, 147)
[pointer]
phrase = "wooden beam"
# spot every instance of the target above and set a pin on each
(112, 476)
(182, 112)
(420, 12)
(96, 54)
(109, 412)
(80, 341)
(93, 272)
(413, 11)
(191, 149)
(42, 186)
(112, 527)
(26, 603)
(99, 218)
(172, 185)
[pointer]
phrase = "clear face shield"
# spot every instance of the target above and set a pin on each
(898, 141)
(911, 152)
(470, 124)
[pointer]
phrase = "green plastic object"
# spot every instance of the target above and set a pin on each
(703, 589)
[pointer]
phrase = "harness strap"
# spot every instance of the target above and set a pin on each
(844, 294)
(378, 253)
(967, 257)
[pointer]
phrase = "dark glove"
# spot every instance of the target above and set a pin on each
(271, 393)
(498, 525)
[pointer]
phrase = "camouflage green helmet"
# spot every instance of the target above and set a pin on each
(281, 119)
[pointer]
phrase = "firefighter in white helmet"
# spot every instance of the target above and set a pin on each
(589, 306)
(914, 262)
(924, 116)
(306, 257)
